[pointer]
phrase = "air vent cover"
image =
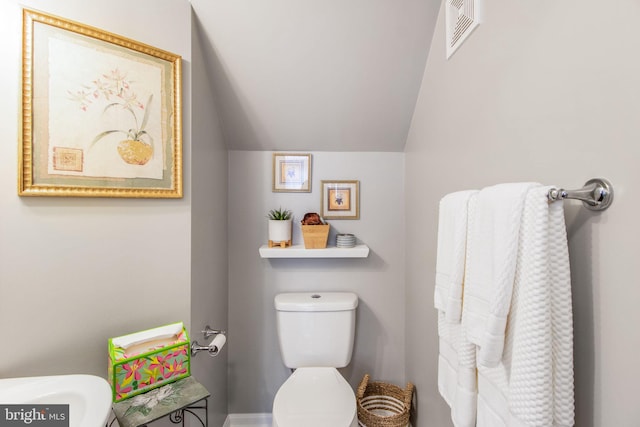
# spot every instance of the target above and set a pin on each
(462, 17)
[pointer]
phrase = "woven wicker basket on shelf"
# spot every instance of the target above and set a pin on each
(382, 404)
(315, 236)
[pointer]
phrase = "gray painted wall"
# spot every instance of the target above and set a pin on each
(544, 91)
(209, 258)
(305, 75)
(256, 370)
(76, 271)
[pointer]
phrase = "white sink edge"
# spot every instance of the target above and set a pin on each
(89, 396)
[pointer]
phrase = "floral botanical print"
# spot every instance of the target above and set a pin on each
(117, 94)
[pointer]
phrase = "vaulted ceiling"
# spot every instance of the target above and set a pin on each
(315, 75)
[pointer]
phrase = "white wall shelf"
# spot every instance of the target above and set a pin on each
(298, 251)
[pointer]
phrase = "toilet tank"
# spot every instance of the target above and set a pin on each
(316, 329)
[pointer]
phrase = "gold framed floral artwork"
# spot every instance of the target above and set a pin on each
(291, 172)
(101, 114)
(340, 199)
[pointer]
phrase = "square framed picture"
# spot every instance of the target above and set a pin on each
(291, 172)
(101, 114)
(340, 199)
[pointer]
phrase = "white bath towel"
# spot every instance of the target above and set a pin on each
(495, 215)
(456, 362)
(457, 377)
(532, 386)
(452, 242)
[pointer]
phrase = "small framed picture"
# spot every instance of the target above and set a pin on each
(340, 199)
(291, 172)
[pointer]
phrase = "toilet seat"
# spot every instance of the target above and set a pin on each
(315, 397)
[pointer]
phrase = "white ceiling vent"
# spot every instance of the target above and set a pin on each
(462, 17)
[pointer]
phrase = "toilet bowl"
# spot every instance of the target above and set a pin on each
(315, 397)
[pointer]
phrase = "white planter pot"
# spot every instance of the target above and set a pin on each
(280, 231)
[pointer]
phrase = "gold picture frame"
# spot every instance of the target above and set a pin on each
(340, 199)
(101, 114)
(291, 172)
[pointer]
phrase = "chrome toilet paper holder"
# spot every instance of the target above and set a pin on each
(214, 347)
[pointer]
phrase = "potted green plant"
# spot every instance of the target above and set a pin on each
(280, 227)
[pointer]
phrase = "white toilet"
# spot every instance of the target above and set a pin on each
(316, 333)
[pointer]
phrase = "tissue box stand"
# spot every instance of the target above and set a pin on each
(171, 400)
(133, 374)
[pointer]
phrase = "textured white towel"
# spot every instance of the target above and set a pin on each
(452, 242)
(495, 215)
(532, 386)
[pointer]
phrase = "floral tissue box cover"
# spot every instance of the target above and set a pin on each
(145, 360)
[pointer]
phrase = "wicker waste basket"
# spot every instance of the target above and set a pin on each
(382, 404)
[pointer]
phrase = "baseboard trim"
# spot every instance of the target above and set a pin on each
(248, 420)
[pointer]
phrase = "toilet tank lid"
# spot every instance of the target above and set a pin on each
(316, 301)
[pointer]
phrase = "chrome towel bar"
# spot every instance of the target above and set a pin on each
(596, 195)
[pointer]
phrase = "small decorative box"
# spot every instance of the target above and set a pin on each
(145, 360)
